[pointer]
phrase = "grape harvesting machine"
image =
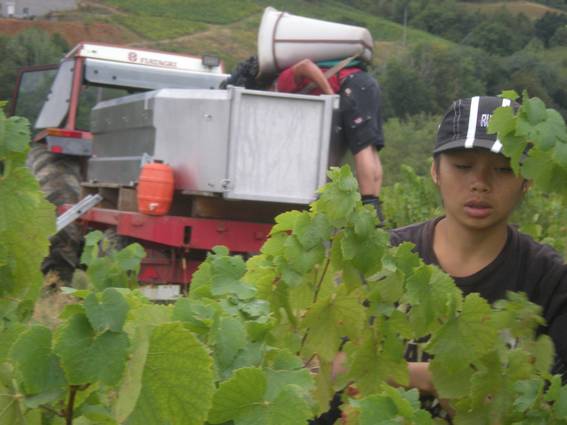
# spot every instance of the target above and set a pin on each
(238, 157)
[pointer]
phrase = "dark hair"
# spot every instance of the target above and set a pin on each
(246, 75)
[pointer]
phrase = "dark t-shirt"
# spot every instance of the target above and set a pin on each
(522, 265)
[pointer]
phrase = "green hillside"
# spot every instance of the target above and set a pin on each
(229, 27)
(530, 9)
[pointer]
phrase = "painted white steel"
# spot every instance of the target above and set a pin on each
(161, 292)
(144, 57)
(473, 116)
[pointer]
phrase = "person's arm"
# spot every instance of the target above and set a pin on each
(306, 69)
(420, 377)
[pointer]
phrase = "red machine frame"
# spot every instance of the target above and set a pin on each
(175, 245)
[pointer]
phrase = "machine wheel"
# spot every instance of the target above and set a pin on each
(59, 177)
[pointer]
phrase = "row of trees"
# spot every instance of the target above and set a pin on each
(500, 33)
(428, 77)
(30, 47)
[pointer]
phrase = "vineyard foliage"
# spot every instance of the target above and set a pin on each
(254, 342)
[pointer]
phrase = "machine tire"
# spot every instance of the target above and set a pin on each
(59, 177)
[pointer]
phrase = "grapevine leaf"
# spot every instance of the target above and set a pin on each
(378, 410)
(168, 396)
(451, 381)
(419, 295)
(553, 391)
(285, 222)
(143, 320)
(312, 231)
(201, 282)
(87, 357)
(332, 318)
(502, 121)
(300, 259)
(228, 337)
(339, 198)
(277, 379)
(274, 245)
(510, 94)
(535, 110)
(242, 393)
(364, 253)
(529, 391)
(8, 336)
(11, 410)
(375, 361)
(243, 400)
(405, 259)
(226, 274)
(364, 221)
(388, 290)
(36, 362)
(543, 353)
(14, 138)
(463, 338)
(198, 315)
(26, 222)
(365, 359)
(288, 408)
(324, 391)
(488, 384)
(560, 405)
(108, 314)
(560, 154)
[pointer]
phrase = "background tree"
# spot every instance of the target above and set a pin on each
(27, 48)
(546, 26)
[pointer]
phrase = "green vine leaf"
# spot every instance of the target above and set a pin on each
(35, 361)
(244, 400)
(106, 311)
(174, 390)
(26, 219)
(331, 318)
(88, 357)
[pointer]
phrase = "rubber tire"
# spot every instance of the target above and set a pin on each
(59, 177)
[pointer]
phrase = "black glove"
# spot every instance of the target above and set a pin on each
(377, 204)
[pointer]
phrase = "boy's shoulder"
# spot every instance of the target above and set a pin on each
(417, 232)
(526, 248)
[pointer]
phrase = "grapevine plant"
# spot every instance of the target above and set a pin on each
(255, 342)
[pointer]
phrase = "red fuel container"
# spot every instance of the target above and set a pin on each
(155, 188)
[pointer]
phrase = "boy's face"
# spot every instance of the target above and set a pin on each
(478, 187)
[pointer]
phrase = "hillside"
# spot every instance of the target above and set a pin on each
(191, 26)
(530, 9)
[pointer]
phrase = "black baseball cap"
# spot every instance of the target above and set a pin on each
(465, 123)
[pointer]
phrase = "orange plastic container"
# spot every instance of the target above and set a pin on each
(155, 188)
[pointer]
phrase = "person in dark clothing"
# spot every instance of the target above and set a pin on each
(361, 116)
(474, 242)
(360, 110)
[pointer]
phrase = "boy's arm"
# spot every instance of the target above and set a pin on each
(306, 69)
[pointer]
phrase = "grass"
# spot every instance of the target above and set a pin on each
(531, 10)
(381, 29)
(214, 12)
(236, 41)
(157, 28)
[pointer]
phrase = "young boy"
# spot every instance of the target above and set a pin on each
(361, 117)
(473, 241)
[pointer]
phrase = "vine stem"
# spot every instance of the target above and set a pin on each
(71, 404)
(315, 296)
